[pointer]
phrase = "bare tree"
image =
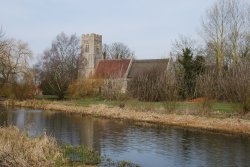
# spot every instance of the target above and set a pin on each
(237, 10)
(117, 50)
(15, 78)
(181, 43)
(14, 61)
(244, 49)
(60, 64)
(225, 29)
(2, 43)
(215, 29)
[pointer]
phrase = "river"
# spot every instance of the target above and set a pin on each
(147, 145)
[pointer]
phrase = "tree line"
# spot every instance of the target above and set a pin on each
(53, 73)
(218, 69)
(15, 74)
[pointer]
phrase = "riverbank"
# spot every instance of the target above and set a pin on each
(185, 119)
(17, 149)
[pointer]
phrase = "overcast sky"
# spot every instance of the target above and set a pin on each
(148, 27)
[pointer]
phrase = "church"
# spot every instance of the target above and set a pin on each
(93, 64)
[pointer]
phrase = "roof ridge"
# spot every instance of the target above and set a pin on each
(115, 60)
(150, 60)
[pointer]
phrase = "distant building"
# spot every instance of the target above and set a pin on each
(92, 63)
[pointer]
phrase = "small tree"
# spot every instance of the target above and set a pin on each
(60, 65)
(15, 78)
(191, 68)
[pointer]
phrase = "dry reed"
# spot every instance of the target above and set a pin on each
(17, 149)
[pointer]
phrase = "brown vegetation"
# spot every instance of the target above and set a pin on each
(85, 87)
(232, 85)
(16, 78)
(17, 149)
(229, 125)
(113, 89)
(154, 85)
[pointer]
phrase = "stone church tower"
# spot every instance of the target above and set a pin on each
(91, 53)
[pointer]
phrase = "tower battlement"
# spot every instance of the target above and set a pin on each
(92, 35)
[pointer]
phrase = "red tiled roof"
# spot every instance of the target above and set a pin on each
(112, 68)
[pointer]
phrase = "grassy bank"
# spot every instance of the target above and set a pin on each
(219, 121)
(177, 107)
(17, 149)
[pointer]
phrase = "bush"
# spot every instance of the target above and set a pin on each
(85, 87)
(19, 91)
(231, 85)
(24, 91)
(114, 89)
(20, 87)
(154, 85)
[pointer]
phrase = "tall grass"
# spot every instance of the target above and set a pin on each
(17, 149)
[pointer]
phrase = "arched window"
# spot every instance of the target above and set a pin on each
(97, 50)
(87, 47)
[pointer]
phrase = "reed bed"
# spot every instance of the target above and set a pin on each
(17, 149)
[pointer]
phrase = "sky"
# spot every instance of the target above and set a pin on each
(148, 27)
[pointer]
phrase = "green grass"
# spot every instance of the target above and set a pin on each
(82, 155)
(77, 155)
(47, 97)
(91, 101)
(225, 107)
(139, 105)
(146, 106)
(214, 106)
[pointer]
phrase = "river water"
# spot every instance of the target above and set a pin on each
(149, 146)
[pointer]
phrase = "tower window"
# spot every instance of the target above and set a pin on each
(97, 50)
(87, 47)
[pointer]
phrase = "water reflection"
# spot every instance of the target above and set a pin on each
(149, 146)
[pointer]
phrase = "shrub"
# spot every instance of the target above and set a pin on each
(231, 85)
(85, 87)
(114, 89)
(19, 91)
(23, 91)
(154, 85)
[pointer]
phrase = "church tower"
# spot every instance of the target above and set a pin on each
(91, 53)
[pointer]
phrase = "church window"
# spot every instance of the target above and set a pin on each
(87, 47)
(97, 50)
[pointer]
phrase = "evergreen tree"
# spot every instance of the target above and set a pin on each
(191, 69)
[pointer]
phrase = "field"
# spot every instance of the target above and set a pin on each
(186, 107)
